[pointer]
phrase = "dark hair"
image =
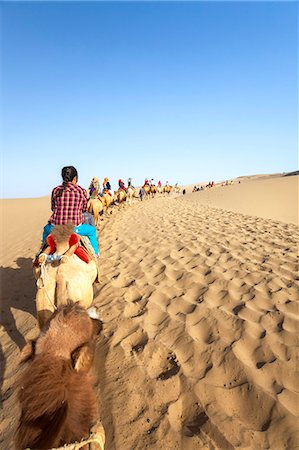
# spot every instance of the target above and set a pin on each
(68, 173)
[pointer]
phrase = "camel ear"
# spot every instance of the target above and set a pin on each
(82, 358)
(28, 351)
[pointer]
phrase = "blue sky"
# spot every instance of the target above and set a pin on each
(178, 91)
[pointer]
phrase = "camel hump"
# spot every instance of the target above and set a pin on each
(61, 233)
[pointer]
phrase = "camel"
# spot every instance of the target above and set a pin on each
(153, 190)
(130, 195)
(120, 196)
(167, 189)
(177, 189)
(147, 190)
(56, 389)
(95, 207)
(69, 278)
(107, 200)
(159, 190)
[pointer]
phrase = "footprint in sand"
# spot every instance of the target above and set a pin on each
(161, 363)
(186, 415)
(121, 281)
(132, 294)
(136, 342)
(134, 309)
(202, 331)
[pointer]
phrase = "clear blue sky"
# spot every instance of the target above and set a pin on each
(178, 91)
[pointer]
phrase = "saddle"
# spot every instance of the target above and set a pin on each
(75, 239)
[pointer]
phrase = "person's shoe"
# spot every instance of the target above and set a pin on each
(93, 313)
(98, 278)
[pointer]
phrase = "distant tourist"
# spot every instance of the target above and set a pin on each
(94, 186)
(121, 185)
(106, 185)
(141, 193)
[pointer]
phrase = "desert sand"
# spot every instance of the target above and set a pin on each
(199, 302)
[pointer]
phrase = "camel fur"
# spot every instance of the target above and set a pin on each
(56, 390)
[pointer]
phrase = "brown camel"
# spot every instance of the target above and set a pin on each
(95, 207)
(107, 200)
(56, 390)
(147, 190)
(153, 190)
(120, 196)
(167, 189)
(67, 279)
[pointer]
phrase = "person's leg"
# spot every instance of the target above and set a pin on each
(91, 232)
(47, 231)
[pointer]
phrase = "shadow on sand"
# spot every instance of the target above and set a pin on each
(17, 291)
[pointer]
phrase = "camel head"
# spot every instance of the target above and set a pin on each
(69, 334)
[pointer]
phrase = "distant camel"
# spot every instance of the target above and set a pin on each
(153, 190)
(177, 189)
(120, 196)
(167, 189)
(130, 195)
(56, 390)
(159, 190)
(107, 200)
(147, 190)
(95, 207)
(69, 278)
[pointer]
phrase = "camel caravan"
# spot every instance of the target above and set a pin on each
(100, 203)
(56, 389)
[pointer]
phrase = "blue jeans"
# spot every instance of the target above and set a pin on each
(83, 230)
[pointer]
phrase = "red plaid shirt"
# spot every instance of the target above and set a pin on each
(70, 206)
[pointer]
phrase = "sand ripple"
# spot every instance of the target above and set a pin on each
(206, 303)
(200, 337)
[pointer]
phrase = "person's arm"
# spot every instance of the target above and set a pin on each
(85, 200)
(52, 201)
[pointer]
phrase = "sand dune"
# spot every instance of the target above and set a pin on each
(200, 315)
(272, 198)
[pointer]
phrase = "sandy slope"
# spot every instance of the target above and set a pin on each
(200, 324)
(271, 198)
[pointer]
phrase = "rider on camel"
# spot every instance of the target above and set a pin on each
(94, 186)
(121, 185)
(107, 186)
(68, 203)
(130, 183)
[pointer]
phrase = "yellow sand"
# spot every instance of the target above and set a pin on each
(200, 311)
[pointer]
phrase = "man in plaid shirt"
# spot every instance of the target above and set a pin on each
(68, 203)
